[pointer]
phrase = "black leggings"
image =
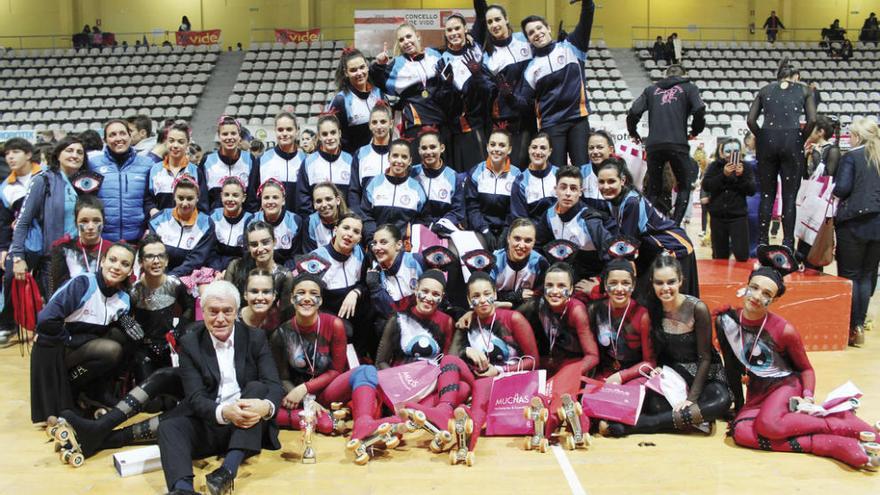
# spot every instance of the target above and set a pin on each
(94, 360)
(679, 162)
(730, 234)
(468, 149)
(569, 138)
(657, 415)
(780, 154)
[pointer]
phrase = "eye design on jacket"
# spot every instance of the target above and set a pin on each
(438, 257)
(87, 182)
(561, 250)
(623, 247)
(479, 261)
(777, 257)
(312, 264)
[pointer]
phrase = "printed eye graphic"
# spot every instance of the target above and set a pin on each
(438, 256)
(87, 182)
(778, 257)
(622, 248)
(479, 260)
(312, 264)
(561, 250)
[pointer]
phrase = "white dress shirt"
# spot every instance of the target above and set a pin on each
(229, 392)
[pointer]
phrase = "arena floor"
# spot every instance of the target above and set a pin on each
(643, 464)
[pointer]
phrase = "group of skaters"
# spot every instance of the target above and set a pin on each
(228, 298)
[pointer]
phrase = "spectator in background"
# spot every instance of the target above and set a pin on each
(659, 51)
(87, 29)
(870, 30)
(673, 49)
(773, 24)
(669, 102)
(834, 32)
(195, 153)
(92, 143)
(257, 148)
(142, 138)
(185, 24)
(307, 140)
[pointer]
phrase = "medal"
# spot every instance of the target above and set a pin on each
(425, 93)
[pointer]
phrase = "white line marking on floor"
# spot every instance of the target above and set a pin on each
(573, 482)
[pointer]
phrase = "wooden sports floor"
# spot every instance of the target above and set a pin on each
(669, 464)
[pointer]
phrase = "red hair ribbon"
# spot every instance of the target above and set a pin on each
(425, 129)
(236, 179)
(270, 180)
(348, 50)
(223, 120)
(500, 126)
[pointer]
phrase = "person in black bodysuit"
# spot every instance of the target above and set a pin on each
(780, 145)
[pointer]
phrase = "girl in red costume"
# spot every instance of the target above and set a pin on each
(495, 342)
(768, 351)
(566, 346)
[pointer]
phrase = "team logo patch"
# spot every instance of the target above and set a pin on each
(412, 283)
(405, 200)
(560, 59)
(443, 193)
(240, 241)
(524, 51)
(285, 240)
(243, 177)
(190, 241)
(345, 176)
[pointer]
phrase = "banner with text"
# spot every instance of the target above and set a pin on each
(210, 37)
(294, 36)
(372, 28)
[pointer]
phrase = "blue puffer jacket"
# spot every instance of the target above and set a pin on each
(123, 192)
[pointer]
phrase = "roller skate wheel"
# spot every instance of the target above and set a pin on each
(867, 436)
(64, 455)
(469, 426)
(542, 447)
(392, 442)
(872, 448)
(51, 431)
(435, 446)
(470, 459)
(588, 440)
(453, 458)
(62, 435)
(383, 429)
(450, 426)
(527, 443)
(418, 417)
(527, 412)
(57, 447)
(353, 444)
(340, 415)
(569, 442)
(100, 412)
(544, 415)
(362, 459)
(578, 409)
(560, 413)
(77, 460)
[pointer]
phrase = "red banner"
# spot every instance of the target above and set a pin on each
(210, 37)
(293, 36)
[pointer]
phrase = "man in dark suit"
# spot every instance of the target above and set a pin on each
(232, 392)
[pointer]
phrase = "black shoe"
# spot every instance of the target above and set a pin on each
(220, 481)
(182, 492)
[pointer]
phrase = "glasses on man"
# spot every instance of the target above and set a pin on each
(155, 257)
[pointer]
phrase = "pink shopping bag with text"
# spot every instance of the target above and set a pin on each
(511, 394)
(408, 382)
(614, 402)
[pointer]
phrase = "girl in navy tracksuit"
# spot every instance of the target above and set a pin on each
(392, 278)
(329, 208)
(77, 343)
(534, 191)
(371, 159)
(412, 76)
(470, 93)
(327, 164)
(283, 162)
(229, 224)
(636, 217)
(487, 192)
(354, 102)
(506, 55)
(187, 233)
(176, 163)
(393, 196)
(227, 161)
(519, 269)
(443, 187)
(287, 225)
(554, 82)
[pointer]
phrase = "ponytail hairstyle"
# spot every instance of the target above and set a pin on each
(396, 50)
(869, 136)
(619, 165)
(348, 54)
(653, 304)
(786, 69)
(342, 208)
(456, 15)
(488, 45)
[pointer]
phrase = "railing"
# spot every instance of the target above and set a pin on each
(38, 41)
(710, 33)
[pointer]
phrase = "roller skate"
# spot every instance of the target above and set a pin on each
(869, 444)
(415, 420)
(339, 414)
(538, 414)
(362, 449)
(308, 419)
(66, 443)
(461, 427)
(569, 414)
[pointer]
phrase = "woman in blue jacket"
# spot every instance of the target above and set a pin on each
(124, 184)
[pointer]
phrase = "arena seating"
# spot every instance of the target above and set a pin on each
(300, 77)
(730, 73)
(74, 90)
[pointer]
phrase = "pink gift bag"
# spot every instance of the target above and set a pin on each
(622, 403)
(410, 382)
(511, 394)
